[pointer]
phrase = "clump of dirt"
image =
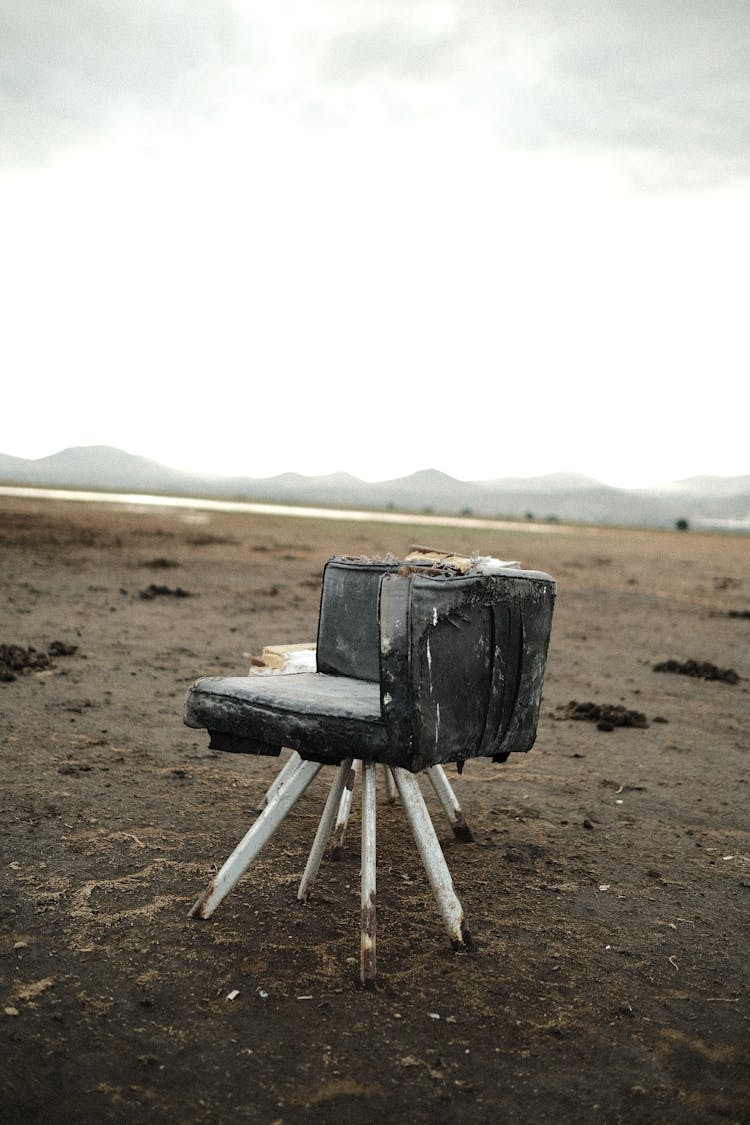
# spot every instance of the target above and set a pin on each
(607, 716)
(161, 563)
(205, 539)
(154, 591)
(15, 659)
(699, 669)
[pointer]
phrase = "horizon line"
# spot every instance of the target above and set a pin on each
(228, 476)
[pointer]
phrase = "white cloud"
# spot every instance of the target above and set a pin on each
(376, 237)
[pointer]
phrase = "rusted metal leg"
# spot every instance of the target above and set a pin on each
(343, 814)
(289, 767)
(432, 857)
(275, 812)
(390, 786)
(449, 801)
(324, 829)
(369, 852)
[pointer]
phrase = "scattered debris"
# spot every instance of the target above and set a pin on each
(607, 716)
(154, 591)
(699, 669)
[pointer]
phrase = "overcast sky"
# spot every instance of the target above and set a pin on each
(378, 235)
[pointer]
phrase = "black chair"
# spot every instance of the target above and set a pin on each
(419, 663)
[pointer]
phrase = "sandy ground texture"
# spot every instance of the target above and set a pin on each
(608, 885)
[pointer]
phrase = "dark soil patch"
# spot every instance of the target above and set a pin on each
(607, 716)
(699, 669)
(16, 660)
(61, 648)
(155, 591)
(161, 563)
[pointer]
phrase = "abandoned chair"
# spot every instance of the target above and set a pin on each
(419, 664)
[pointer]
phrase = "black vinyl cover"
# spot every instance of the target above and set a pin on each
(348, 630)
(448, 666)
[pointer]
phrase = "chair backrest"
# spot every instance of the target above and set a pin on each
(348, 629)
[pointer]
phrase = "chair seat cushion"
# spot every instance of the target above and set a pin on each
(324, 717)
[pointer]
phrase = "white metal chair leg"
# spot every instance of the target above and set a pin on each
(275, 812)
(289, 767)
(390, 786)
(369, 855)
(345, 805)
(449, 801)
(432, 857)
(324, 829)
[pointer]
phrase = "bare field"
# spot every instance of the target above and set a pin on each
(608, 887)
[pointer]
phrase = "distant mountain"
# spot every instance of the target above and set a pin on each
(569, 497)
(11, 468)
(553, 482)
(715, 486)
(91, 466)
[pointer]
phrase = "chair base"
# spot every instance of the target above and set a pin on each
(288, 787)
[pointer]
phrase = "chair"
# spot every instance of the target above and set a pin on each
(419, 663)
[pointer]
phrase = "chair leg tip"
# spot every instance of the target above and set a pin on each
(200, 908)
(466, 943)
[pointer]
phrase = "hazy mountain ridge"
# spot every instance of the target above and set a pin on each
(563, 496)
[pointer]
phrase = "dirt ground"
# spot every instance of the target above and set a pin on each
(607, 888)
